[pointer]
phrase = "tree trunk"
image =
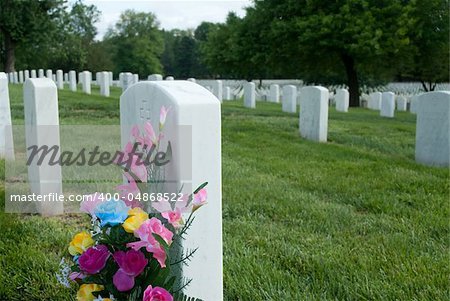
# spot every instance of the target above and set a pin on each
(424, 86)
(10, 57)
(352, 80)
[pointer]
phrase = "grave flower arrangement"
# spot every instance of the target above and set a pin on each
(133, 250)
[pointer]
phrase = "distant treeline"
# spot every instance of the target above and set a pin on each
(349, 42)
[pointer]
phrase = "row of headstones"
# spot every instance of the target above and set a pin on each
(186, 99)
(432, 109)
(388, 102)
(103, 79)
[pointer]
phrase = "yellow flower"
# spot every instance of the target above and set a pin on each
(80, 243)
(85, 291)
(136, 217)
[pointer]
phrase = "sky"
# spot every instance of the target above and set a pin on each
(181, 14)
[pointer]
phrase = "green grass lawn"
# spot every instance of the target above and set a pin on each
(353, 219)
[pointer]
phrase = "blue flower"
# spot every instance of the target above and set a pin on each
(111, 212)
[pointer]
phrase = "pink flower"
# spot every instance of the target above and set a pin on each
(165, 205)
(132, 162)
(162, 116)
(150, 134)
(147, 240)
(129, 188)
(93, 260)
(131, 264)
(174, 217)
(199, 199)
(135, 132)
(90, 202)
(156, 294)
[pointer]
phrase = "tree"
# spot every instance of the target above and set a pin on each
(138, 43)
(22, 21)
(429, 62)
(356, 36)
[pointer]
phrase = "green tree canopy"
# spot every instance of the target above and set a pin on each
(138, 43)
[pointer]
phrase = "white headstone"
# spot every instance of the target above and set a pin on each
(217, 87)
(72, 81)
(387, 104)
(111, 78)
(42, 129)
(401, 103)
(49, 74)
(104, 83)
(249, 95)
(191, 79)
(54, 77)
(86, 78)
(375, 101)
(11, 77)
(33, 73)
(342, 99)
(170, 78)
(21, 77)
(41, 73)
(127, 80)
(413, 104)
(289, 99)
(227, 93)
(15, 77)
(274, 93)
(135, 78)
(155, 77)
(59, 79)
(433, 129)
(314, 113)
(193, 106)
(6, 137)
(66, 77)
(26, 75)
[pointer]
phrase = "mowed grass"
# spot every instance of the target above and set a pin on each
(353, 219)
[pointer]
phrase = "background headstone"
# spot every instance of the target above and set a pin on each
(86, 78)
(49, 74)
(249, 95)
(433, 129)
(227, 93)
(41, 73)
(375, 101)
(59, 79)
(170, 78)
(104, 83)
(6, 136)
(194, 107)
(342, 100)
(191, 79)
(33, 73)
(387, 104)
(401, 103)
(289, 99)
(26, 75)
(42, 129)
(72, 81)
(15, 77)
(217, 89)
(274, 93)
(155, 77)
(314, 113)
(21, 77)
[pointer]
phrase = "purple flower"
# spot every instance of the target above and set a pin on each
(131, 264)
(93, 260)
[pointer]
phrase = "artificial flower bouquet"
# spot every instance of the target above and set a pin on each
(133, 249)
